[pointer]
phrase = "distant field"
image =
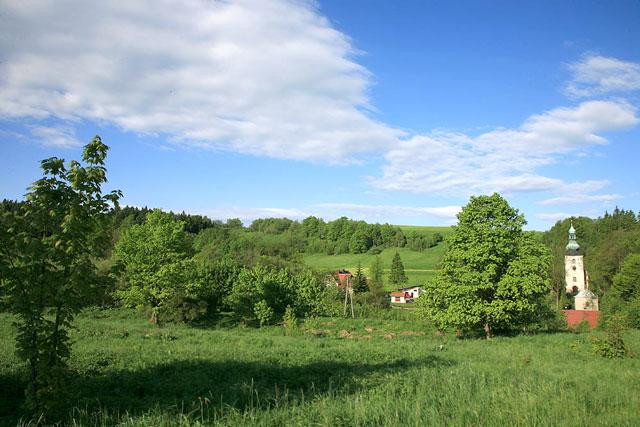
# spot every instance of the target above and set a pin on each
(332, 372)
(419, 266)
(425, 229)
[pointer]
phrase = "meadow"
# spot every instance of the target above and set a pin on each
(330, 372)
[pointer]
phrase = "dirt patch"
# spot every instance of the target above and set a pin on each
(344, 334)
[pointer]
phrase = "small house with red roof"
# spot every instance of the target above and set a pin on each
(405, 295)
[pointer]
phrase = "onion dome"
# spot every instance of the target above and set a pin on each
(573, 246)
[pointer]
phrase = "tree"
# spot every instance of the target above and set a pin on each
(493, 274)
(624, 297)
(626, 284)
(378, 296)
(397, 276)
(360, 280)
(376, 272)
(46, 261)
(156, 262)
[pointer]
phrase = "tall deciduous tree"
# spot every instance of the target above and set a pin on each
(46, 264)
(397, 277)
(493, 274)
(156, 262)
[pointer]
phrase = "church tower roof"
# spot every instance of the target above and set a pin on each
(573, 246)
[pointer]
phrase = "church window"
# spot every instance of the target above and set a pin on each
(575, 279)
(574, 268)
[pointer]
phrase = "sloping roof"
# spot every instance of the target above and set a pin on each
(397, 294)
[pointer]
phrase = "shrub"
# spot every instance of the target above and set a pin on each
(305, 292)
(612, 346)
(290, 320)
(263, 312)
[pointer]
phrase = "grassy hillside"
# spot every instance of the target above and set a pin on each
(425, 229)
(419, 266)
(334, 372)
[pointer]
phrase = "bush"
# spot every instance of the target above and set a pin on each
(289, 320)
(612, 346)
(263, 312)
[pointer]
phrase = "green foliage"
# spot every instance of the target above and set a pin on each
(419, 241)
(277, 289)
(359, 280)
(46, 265)
(624, 297)
(263, 312)
(626, 284)
(397, 277)
(375, 274)
(604, 242)
(612, 346)
(290, 320)
(494, 275)
(157, 267)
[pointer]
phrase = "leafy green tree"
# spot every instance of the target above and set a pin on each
(156, 262)
(260, 288)
(493, 274)
(46, 261)
(359, 281)
(626, 284)
(397, 277)
(624, 297)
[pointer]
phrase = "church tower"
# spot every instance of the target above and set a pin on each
(576, 278)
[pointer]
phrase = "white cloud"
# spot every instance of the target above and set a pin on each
(503, 160)
(331, 211)
(387, 211)
(597, 75)
(553, 217)
(267, 78)
(55, 136)
(248, 214)
(577, 197)
(559, 216)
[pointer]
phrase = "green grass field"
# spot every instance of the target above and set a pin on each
(333, 372)
(426, 229)
(419, 266)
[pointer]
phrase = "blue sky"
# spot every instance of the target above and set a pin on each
(387, 111)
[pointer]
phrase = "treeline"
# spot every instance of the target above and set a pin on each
(611, 246)
(283, 237)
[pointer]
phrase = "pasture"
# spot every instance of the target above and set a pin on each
(419, 266)
(330, 372)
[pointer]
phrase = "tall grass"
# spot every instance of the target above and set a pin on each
(335, 372)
